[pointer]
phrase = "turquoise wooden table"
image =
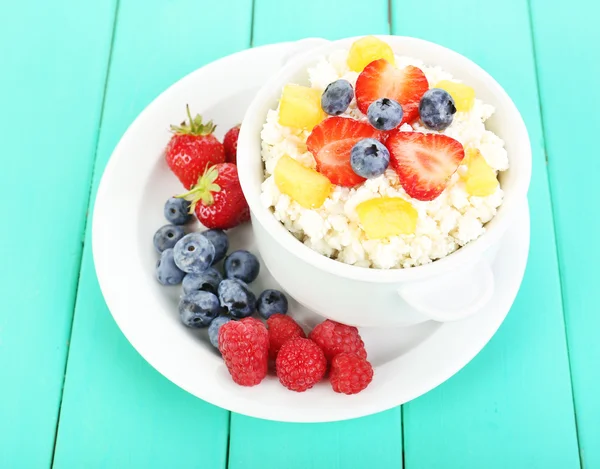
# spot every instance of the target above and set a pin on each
(73, 392)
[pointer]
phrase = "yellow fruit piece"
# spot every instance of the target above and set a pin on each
(300, 107)
(366, 50)
(304, 185)
(480, 179)
(387, 216)
(463, 95)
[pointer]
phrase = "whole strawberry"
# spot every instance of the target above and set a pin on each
(244, 346)
(217, 198)
(281, 329)
(300, 364)
(335, 338)
(230, 143)
(350, 374)
(192, 149)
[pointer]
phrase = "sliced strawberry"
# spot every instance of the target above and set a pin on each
(330, 143)
(424, 162)
(381, 79)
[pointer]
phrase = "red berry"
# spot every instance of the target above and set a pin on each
(300, 364)
(192, 149)
(244, 346)
(335, 338)
(381, 79)
(424, 162)
(350, 374)
(331, 141)
(281, 329)
(230, 143)
(218, 199)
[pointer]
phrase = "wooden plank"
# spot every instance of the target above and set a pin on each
(373, 441)
(117, 411)
(512, 406)
(54, 59)
(573, 166)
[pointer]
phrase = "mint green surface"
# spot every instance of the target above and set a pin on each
(74, 75)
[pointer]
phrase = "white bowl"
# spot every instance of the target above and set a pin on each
(448, 289)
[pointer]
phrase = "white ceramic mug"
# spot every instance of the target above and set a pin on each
(448, 289)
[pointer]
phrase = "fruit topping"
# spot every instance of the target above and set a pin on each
(304, 185)
(387, 216)
(385, 114)
(437, 109)
(463, 95)
(480, 179)
(369, 158)
(300, 107)
(337, 97)
(366, 50)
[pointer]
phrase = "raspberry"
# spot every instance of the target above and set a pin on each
(245, 348)
(350, 374)
(281, 329)
(300, 364)
(334, 338)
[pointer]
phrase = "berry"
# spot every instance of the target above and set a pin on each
(380, 79)
(192, 149)
(167, 272)
(167, 236)
(271, 302)
(220, 241)
(331, 142)
(198, 309)
(237, 298)
(385, 114)
(367, 49)
(300, 364)
(281, 329)
(437, 109)
(350, 374)
(242, 265)
(230, 144)
(177, 211)
(208, 280)
(300, 107)
(194, 253)
(245, 348)
(337, 97)
(218, 199)
(424, 162)
(214, 328)
(383, 217)
(463, 95)
(304, 185)
(335, 338)
(369, 158)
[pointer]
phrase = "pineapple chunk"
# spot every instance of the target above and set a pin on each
(304, 185)
(300, 107)
(387, 216)
(480, 179)
(463, 95)
(366, 50)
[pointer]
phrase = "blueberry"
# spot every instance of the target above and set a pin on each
(437, 109)
(167, 236)
(337, 97)
(214, 328)
(237, 298)
(206, 281)
(385, 114)
(271, 302)
(242, 265)
(369, 158)
(220, 241)
(167, 272)
(199, 308)
(177, 211)
(194, 253)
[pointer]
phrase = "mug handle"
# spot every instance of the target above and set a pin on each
(452, 296)
(302, 45)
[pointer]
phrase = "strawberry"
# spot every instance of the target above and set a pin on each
(192, 149)
(230, 143)
(331, 141)
(424, 162)
(217, 199)
(381, 79)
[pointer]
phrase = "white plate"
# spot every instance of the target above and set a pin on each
(408, 361)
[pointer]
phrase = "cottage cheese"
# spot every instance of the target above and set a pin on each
(446, 223)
